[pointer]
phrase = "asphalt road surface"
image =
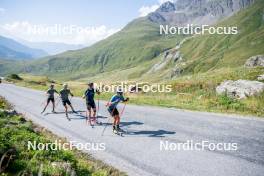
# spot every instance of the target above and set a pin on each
(141, 151)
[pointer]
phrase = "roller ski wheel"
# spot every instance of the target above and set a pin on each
(116, 132)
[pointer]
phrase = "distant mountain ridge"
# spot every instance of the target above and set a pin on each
(12, 54)
(196, 12)
(52, 48)
(11, 49)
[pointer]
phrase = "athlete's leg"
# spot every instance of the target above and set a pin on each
(117, 119)
(69, 103)
(66, 110)
(89, 113)
(53, 105)
(46, 105)
(94, 114)
(115, 122)
(118, 122)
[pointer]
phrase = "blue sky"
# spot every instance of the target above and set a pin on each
(112, 13)
(105, 16)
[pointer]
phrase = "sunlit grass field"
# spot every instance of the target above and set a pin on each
(192, 92)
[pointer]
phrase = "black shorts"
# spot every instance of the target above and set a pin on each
(113, 112)
(91, 105)
(64, 102)
(50, 99)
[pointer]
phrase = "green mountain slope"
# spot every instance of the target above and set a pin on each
(10, 66)
(130, 53)
(137, 43)
(208, 52)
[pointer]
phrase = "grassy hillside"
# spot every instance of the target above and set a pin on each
(208, 52)
(15, 132)
(134, 45)
(10, 66)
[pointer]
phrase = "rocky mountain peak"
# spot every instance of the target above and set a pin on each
(166, 7)
(196, 12)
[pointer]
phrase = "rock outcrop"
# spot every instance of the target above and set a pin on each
(176, 72)
(11, 112)
(261, 77)
(168, 56)
(240, 89)
(255, 61)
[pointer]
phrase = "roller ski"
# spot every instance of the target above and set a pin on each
(117, 131)
(75, 112)
(94, 122)
(99, 123)
(121, 131)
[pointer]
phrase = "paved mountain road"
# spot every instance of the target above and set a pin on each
(138, 152)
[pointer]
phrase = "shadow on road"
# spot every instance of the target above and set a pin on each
(151, 133)
(101, 117)
(148, 133)
(122, 124)
(84, 116)
(48, 113)
(60, 112)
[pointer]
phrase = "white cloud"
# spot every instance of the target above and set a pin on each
(71, 34)
(145, 10)
(2, 10)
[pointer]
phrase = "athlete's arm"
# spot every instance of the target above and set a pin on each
(71, 93)
(97, 91)
(85, 93)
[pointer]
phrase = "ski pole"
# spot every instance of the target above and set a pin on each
(123, 109)
(58, 101)
(98, 106)
(43, 102)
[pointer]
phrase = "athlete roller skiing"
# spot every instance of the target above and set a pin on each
(90, 103)
(112, 109)
(50, 93)
(64, 94)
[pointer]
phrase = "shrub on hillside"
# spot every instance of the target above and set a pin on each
(14, 76)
